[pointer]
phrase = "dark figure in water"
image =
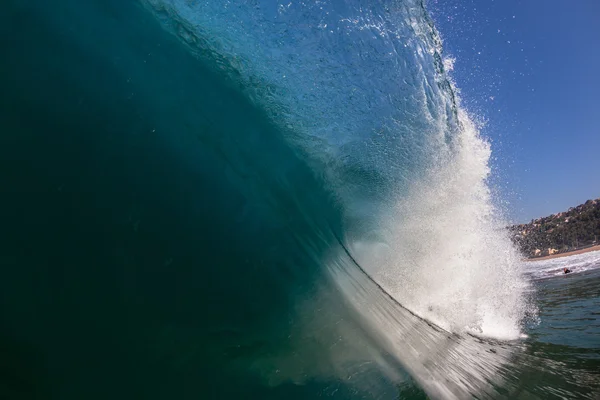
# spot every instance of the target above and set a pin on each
(567, 270)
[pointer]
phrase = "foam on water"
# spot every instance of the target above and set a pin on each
(554, 267)
(444, 253)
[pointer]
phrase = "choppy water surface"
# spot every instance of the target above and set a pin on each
(248, 199)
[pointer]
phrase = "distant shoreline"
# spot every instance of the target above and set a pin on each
(566, 254)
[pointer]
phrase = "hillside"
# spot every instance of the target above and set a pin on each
(566, 231)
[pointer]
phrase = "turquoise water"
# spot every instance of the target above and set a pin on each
(564, 343)
(260, 200)
(570, 304)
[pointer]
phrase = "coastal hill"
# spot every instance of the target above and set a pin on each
(577, 228)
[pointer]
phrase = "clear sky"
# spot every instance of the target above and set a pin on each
(530, 69)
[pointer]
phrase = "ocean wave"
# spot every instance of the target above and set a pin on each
(270, 201)
(362, 94)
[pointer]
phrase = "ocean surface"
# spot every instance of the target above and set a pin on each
(260, 200)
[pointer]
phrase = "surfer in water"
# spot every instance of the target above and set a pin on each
(567, 270)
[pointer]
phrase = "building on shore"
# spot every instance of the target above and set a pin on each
(566, 231)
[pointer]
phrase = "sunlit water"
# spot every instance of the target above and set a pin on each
(258, 200)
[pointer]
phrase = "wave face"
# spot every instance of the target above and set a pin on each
(363, 91)
(247, 200)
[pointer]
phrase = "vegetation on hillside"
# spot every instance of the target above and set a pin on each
(566, 231)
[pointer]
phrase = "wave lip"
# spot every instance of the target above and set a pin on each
(446, 365)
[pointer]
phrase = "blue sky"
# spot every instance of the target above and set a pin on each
(531, 70)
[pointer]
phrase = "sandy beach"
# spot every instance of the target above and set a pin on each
(569, 253)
